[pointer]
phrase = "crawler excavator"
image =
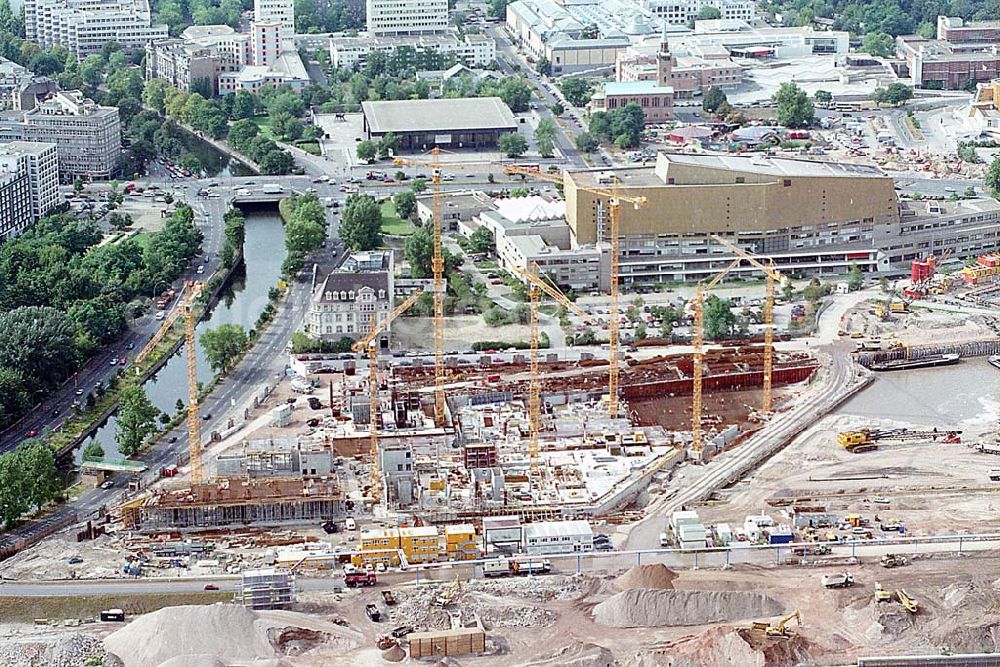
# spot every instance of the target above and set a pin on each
(779, 629)
(866, 440)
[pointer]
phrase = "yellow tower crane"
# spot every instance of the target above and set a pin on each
(370, 344)
(615, 199)
(699, 354)
(536, 283)
(773, 278)
(185, 309)
(437, 267)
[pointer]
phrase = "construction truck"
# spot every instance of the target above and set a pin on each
(866, 440)
(812, 550)
(882, 595)
(907, 601)
(894, 560)
(842, 580)
(353, 579)
(779, 629)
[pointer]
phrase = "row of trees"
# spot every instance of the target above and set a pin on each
(63, 297)
(305, 230)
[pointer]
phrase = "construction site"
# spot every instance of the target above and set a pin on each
(767, 501)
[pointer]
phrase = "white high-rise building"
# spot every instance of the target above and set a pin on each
(276, 11)
(29, 184)
(84, 26)
(407, 17)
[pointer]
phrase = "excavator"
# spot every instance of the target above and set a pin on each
(907, 601)
(866, 440)
(779, 629)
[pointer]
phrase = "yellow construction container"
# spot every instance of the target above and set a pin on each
(436, 484)
(388, 557)
(420, 544)
(461, 542)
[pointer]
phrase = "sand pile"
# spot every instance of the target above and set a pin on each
(655, 575)
(716, 647)
(226, 632)
(394, 654)
(648, 608)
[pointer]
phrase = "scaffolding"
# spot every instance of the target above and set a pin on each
(266, 589)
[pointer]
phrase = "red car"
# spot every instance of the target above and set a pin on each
(32, 433)
(211, 587)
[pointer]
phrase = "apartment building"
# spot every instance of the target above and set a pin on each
(280, 12)
(472, 50)
(84, 26)
(218, 60)
(684, 12)
(344, 304)
(87, 135)
(406, 17)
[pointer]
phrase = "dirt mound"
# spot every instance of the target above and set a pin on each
(655, 575)
(727, 645)
(394, 654)
(226, 632)
(648, 608)
(577, 654)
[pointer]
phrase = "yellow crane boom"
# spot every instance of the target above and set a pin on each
(369, 343)
(536, 282)
(194, 419)
(615, 199)
(773, 277)
(699, 355)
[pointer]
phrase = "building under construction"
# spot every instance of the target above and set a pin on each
(235, 502)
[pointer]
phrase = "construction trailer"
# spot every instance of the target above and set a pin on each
(457, 641)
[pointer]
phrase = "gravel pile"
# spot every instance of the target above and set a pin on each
(70, 650)
(228, 633)
(655, 575)
(642, 607)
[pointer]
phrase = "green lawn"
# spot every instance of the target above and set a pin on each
(392, 224)
(309, 147)
(264, 124)
(143, 239)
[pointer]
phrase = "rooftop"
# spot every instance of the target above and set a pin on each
(636, 88)
(442, 115)
(775, 166)
(557, 529)
(530, 209)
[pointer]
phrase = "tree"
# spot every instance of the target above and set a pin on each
(39, 343)
(362, 220)
(855, 279)
(992, 178)
(879, 44)
(39, 464)
(557, 109)
(546, 148)
(405, 203)
(576, 90)
(136, 419)
(387, 145)
(481, 241)
(626, 125)
(708, 13)
(513, 145)
(794, 107)
(77, 185)
(241, 132)
(366, 150)
(418, 185)
(419, 251)
(245, 105)
(720, 320)
(586, 143)
(515, 93)
(544, 67)
(223, 345)
(93, 448)
(714, 98)
(823, 97)
(46, 63)
(894, 94)
(275, 162)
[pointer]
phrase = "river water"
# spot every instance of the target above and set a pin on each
(967, 393)
(241, 303)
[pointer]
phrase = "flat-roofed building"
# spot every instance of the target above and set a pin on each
(406, 17)
(84, 26)
(557, 537)
(466, 122)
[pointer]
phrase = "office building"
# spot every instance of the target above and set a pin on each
(684, 12)
(963, 55)
(87, 135)
(280, 12)
(84, 26)
(813, 218)
(217, 60)
(15, 195)
(423, 52)
(345, 303)
(466, 122)
(43, 173)
(406, 17)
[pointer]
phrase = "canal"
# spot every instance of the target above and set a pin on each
(241, 303)
(967, 393)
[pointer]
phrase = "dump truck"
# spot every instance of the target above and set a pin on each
(894, 560)
(354, 579)
(842, 580)
(388, 597)
(372, 612)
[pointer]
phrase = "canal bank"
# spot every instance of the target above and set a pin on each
(240, 302)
